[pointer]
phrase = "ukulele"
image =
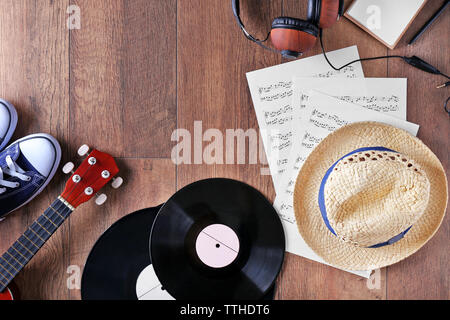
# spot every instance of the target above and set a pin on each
(97, 170)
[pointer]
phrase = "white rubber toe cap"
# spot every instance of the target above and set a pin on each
(42, 152)
(5, 120)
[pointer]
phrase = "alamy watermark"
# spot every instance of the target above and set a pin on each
(74, 19)
(374, 281)
(74, 279)
(374, 19)
(213, 146)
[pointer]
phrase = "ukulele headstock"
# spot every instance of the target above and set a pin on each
(96, 171)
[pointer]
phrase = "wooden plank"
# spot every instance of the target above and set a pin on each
(149, 77)
(34, 70)
(123, 71)
(123, 75)
(95, 76)
(425, 274)
(213, 57)
(212, 86)
(143, 188)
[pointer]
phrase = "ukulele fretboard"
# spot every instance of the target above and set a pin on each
(21, 252)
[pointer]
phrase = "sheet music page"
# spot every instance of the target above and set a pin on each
(323, 115)
(387, 95)
(272, 90)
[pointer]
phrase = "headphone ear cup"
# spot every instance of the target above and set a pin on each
(293, 35)
(325, 13)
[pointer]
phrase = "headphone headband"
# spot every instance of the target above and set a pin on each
(305, 27)
(237, 15)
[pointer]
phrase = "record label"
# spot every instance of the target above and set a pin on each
(148, 286)
(217, 246)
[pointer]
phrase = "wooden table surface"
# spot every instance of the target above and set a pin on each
(139, 69)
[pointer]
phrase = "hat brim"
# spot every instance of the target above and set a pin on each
(344, 140)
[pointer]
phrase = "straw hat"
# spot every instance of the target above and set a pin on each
(369, 195)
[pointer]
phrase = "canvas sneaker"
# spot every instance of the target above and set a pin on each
(26, 168)
(8, 122)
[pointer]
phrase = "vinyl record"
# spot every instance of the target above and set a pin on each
(217, 239)
(119, 266)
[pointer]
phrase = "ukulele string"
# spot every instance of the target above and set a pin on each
(62, 205)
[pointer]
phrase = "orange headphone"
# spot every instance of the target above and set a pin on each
(291, 36)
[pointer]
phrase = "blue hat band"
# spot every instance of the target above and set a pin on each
(323, 209)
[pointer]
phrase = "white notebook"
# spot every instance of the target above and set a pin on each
(386, 20)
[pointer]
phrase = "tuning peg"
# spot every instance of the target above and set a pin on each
(101, 199)
(117, 182)
(84, 150)
(68, 168)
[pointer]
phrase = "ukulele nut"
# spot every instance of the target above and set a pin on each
(105, 174)
(92, 161)
(76, 178)
(89, 191)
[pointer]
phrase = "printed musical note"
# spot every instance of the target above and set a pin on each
(272, 91)
(281, 136)
(377, 103)
(286, 217)
(277, 96)
(281, 111)
(348, 72)
(326, 121)
(275, 86)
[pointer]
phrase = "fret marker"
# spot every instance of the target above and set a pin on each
(14, 258)
(26, 259)
(18, 241)
(3, 267)
(34, 244)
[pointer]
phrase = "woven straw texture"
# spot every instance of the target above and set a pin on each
(373, 196)
(349, 250)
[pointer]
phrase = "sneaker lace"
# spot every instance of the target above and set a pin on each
(11, 171)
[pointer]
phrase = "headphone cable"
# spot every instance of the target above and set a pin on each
(413, 61)
(354, 61)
